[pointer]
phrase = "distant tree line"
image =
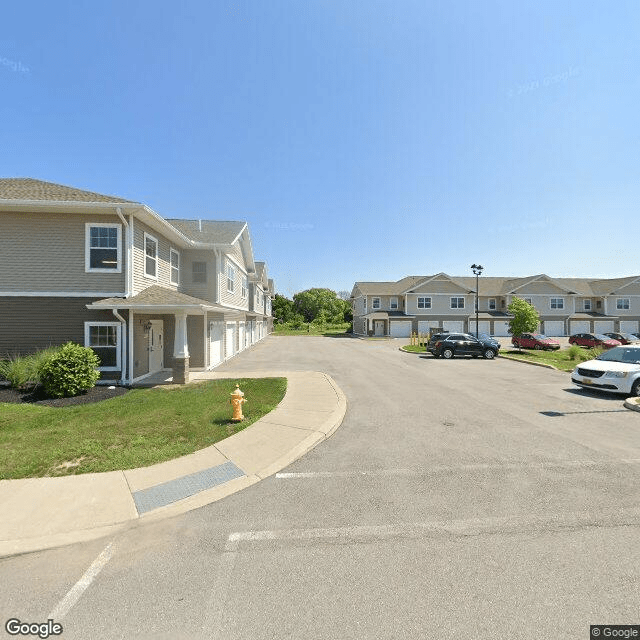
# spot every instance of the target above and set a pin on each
(317, 306)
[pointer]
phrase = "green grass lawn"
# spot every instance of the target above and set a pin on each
(560, 359)
(311, 330)
(415, 348)
(138, 429)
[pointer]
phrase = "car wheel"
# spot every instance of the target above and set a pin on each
(447, 353)
(537, 347)
(635, 388)
(489, 354)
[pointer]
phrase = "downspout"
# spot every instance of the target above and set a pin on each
(123, 346)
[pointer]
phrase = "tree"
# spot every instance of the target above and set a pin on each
(282, 309)
(344, 295)
(525, 317)
(311, 302)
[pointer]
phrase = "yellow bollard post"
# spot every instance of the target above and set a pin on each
(237, 400)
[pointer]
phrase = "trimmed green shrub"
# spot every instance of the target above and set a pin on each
(23, 372)
(72, 370)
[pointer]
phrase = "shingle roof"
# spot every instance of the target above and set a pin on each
(213, 231)
(31, 189)
(388, 288)
(154, 295)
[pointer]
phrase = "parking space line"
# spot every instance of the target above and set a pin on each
(74, 594)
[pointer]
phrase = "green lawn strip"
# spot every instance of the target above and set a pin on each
(138, 429)
(313, 331)
(414, 349)
(559, 359)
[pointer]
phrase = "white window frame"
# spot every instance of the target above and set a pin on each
(245, 287)
(623, 304)
(528, 301)
(373, 303)
(393, 303)
(148, 236)
(457, 299)
(492, 304)
(586, 305)
(173, 252)
(365, 304)
(87, 246)
(556, 303)
(231, 277)
(118, 346)
(426, 304)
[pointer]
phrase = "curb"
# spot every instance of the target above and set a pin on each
(632, 403)
(535, 364)
(319, 425)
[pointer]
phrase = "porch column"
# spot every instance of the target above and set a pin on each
(180, 351)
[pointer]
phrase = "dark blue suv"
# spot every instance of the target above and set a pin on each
(449, 345)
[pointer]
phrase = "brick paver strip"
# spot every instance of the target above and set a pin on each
(174, 490)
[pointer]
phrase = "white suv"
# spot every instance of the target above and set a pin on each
(616, 370)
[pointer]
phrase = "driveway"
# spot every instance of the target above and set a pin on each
(463, 498)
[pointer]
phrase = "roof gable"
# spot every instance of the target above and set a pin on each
(29, 189)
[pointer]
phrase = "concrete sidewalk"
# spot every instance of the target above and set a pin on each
(41, 513)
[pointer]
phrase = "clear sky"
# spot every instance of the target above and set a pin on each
(361, 139)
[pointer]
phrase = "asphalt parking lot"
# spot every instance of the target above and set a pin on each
(461, 498)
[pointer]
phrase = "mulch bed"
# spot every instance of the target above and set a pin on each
(97, 394)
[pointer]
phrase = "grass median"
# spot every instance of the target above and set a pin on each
(138, 429)
(562, 359)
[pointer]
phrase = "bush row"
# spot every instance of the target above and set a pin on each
(62, 371)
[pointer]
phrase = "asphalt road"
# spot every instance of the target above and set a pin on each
(459, 499)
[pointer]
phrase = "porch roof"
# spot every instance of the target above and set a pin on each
(591, 315)
(387, 315)
(157, 299)
(490, 315)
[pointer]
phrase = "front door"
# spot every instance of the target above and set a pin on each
(156, 345)
(378, 326)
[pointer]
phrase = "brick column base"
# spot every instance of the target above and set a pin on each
(180, 370)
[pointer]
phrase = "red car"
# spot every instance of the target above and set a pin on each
(593, 340)
(534, 341)
(623, 338)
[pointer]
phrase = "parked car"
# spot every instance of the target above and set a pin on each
(623, 338)
(593, 340)
(488, 338)
(462, 344)
(636, 334)
(534, 341)
(616, 370)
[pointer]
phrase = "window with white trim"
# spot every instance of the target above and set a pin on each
(104, 339)
(586, 305)
(557, 303)
(375, 303)
(198, 272)
(528, 300)
(175, 266)
(623, 303)
(492, 304)
(393, 303)
(245, 287)
(150, 257)
(103, 247)
(457, 303)
(231, 277)
(365, 304)
(424, 302)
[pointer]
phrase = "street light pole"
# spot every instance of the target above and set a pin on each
(477, 270)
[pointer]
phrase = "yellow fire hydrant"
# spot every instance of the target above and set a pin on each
(237, 400)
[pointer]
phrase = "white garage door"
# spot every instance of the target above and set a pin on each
(603, 326)
(580, 326)
(424, 326)
(484, 326)
(628, 326)
(401, 329)
(230, 346)
(501, 328)
(554, 327)
(216, 333)
(453, 326)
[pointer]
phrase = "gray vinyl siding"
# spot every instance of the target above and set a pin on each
(140, 281)
(195, 340)
(31, 324)
(385, 303)
(441, 305)
(46, 252)
(234, 298)
(203, 290)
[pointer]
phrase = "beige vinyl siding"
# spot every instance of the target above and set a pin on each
(540, 287)
(358, 306)
(204, 290)
(634, 305)
(439, 286)
(46, 252)
(30, 324)
(234, 298)
(385, 303)
(140, 281)
(440, 304)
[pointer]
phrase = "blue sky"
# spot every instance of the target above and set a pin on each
(361, 139)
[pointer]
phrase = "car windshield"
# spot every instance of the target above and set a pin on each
(485, 336)
(601, 336)
(621, 354)
(539, 336)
